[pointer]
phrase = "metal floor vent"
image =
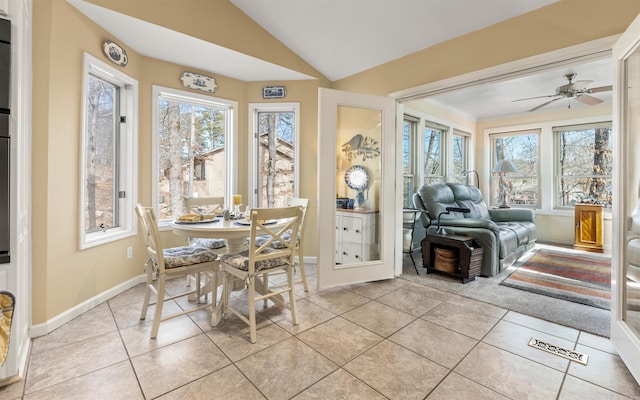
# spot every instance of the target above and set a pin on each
(559, 351)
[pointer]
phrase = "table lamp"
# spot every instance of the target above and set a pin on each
(503, 167)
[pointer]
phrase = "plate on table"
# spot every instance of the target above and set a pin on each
(244, 222)
(202, 221)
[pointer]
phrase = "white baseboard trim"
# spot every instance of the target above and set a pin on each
(61, 319)
(310, 260)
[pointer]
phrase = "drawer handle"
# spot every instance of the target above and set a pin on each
(357, 231)
(344, 229)
(357, 256)
(344, 253)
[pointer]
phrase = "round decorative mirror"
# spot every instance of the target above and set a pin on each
(357, 177)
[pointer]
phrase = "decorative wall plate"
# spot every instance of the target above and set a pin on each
(195, 81)
(115, 53)
(357, 177)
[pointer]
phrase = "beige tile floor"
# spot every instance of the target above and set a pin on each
(384, 340)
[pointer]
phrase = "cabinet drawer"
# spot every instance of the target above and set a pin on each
(351, 253)
(351, 229)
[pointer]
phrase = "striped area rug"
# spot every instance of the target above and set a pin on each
(578, 278)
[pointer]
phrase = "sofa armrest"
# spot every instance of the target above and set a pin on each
(512, 214)
(470, 223)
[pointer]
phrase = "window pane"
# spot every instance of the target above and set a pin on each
(406, 147)
(276, 158)
(408, 132)
(191, 154)
(460, 159)
(585, 158)
(521, 186)
(101, 155)
(432, 155)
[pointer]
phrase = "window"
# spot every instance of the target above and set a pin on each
(409, 132)
(109, 147)
(433, 160)
(275, 153)
(584, 156)
(521, 148)
(193, 136)
(461, 157)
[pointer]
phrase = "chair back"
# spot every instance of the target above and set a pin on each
(285, 233)
(149, 223)
(297, 201)
(204, 205)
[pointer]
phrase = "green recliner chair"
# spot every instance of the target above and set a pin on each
(505, 234)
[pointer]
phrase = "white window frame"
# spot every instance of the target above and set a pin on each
(494, 177)
(444, 156)
(230, 143)
(128, 166)
(556, 129)
(467, 178)
(252, 156)
(413, 177)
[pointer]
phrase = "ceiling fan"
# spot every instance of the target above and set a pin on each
(573, 90)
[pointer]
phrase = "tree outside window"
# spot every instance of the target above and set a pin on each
(521, 148)
(433, 137)
(584, 164)
(109, 137)
(191, 152)
(276, 158)
(101, 155)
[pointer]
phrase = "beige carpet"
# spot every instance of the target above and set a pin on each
(578, 316)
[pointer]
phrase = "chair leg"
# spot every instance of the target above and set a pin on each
(252, 309)
(147, 292)
(225, 294)
(292, 296)
(265, 282)
(414, 263)
(159, 304)
(303, 274)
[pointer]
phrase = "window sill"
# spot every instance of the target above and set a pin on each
(100, 238)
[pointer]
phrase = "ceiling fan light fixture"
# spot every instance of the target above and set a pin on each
(573, 90)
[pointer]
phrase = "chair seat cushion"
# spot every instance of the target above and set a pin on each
(208, 243)
(187, 255)
(260, 240)
(241, 260)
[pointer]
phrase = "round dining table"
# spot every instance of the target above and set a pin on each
(235, 233)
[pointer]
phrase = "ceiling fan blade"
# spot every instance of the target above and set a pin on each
(588, 100)
(544, 104)
(537, 97)
(601, 89)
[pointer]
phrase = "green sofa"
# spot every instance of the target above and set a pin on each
(504, 234)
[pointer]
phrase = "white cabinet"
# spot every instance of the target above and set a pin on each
(356, 233)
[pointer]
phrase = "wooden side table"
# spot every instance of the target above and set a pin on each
(467, 250)
(588, 221)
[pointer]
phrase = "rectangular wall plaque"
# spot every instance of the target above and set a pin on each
(273, 92)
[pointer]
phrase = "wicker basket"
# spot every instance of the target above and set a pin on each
(445, 260)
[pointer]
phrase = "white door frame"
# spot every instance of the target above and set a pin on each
(329, 273)
(624, 339)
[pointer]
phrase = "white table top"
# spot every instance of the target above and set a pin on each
(218, 229)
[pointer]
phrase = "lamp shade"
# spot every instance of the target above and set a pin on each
(505, 166)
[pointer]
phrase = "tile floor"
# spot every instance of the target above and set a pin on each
(384, 340)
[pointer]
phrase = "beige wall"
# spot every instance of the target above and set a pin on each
(63, 276)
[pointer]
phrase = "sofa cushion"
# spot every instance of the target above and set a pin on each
(436, 198)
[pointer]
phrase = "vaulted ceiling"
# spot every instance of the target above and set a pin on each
(340, 38)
